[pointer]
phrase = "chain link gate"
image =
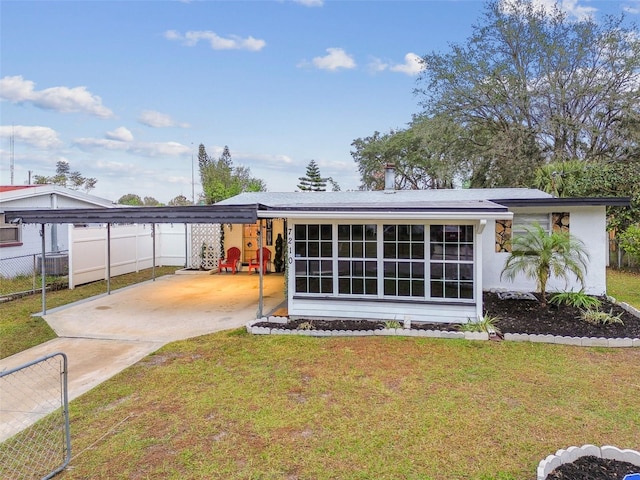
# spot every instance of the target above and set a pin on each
(34, 419)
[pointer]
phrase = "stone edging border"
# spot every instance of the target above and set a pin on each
(571, 454)
(513, 337)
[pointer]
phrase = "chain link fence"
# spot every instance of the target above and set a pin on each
(34, 419)
(20, 275)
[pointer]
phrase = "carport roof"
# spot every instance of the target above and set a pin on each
(186, 214)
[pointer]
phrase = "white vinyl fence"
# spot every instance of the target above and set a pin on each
(131, 250)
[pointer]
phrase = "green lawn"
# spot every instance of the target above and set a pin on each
(19, 330)
(624, 286)
(236, 406)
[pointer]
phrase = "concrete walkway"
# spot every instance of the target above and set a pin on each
(104, 335)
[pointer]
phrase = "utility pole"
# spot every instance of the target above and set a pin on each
(193, 182)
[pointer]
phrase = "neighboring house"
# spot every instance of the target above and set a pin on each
(17, 239)
(416, 255)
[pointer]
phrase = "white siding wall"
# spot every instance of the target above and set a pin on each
(586, 223)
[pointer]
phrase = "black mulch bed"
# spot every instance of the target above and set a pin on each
(516, 316)
(593, 468)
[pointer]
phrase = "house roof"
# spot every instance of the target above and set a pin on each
(12, 193)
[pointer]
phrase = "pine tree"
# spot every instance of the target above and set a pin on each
(312, 181)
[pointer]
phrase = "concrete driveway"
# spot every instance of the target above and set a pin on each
(104, 335)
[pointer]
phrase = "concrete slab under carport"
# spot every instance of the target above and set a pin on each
(102, 336)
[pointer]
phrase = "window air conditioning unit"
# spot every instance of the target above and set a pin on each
(54, 264)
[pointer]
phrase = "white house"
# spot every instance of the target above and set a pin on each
(18, 239)
(419, 255)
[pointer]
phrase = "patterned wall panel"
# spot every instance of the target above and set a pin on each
(205, 246)
(503, 235)
(560, 221)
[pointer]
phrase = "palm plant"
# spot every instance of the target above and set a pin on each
(539, 255)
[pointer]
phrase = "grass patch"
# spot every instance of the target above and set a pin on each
(624, 286)
(19, 330)
(235, 406)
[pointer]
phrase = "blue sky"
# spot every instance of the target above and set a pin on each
(125, 91)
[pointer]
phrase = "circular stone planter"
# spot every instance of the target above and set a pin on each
(571, 454)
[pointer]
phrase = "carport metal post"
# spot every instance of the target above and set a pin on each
(108, 258)
(153, 240)
(260, 255)
(43, 270)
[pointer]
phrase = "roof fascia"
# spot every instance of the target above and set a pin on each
(387, 215)
(565, 201)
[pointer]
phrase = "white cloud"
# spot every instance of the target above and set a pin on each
(121, 134)
(39, 137)
(60, 99)
(154, 119)
(632, 8)
(335, 59)
(573, 8)
(412, 65)
(232, 42)
(144, 149)
(310, 3)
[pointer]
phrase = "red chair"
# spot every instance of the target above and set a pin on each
(254, 263)
(232, 260)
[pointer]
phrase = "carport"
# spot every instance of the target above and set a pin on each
(207, 214)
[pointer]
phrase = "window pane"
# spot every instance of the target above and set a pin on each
(389, 233)
(436, 270)
(325, 232)
(344, 285)
(451, 271)
(344, 268)
(314, 232)
(371, 269)
(389, 269)
(466, 290)
(371, 287)
(370, 249)
(301, 232)
(356, 249)
(371, 232)
(404, 233)
(404, 250)
(357, 232)
(343, 232)
(404, 288)
(301, 267)
(314, 267)
(314, 249)
(436, 233)
(389, 250)
(436, 290)
(357, 286)
(389, 287)
(450, 252)
(417, 270)
(343, 249)
(450, 289)
(326, 249)
(467, 233)
(326, 285)
(301, 284)
(466, 251)
(326, 266)
(466, 271)
(417, 287)
(417, 233)
(417, 250)
(437, 251)
(301, 249)
(314, 285)
(404, 270)
(357, 269)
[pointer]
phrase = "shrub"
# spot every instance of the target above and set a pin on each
(597, 317)
(482, 324)
(575, 299)
(392, 324)
(630, 241)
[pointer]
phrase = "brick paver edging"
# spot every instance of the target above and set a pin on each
(407, 332)
(571, 454)
(513, 337)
